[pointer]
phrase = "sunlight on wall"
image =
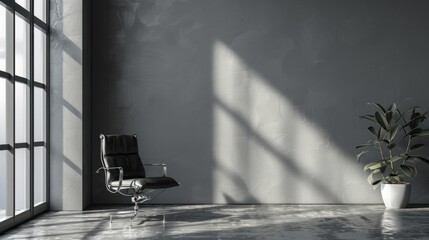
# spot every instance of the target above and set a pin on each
(72, 83)
(66, 106)
(71, 12)
(267, 151)
(72, 128)
(72, 108)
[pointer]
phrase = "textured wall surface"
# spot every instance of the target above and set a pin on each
(66, 105)
(255, 101)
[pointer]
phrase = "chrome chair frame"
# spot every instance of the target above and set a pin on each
(136, 197)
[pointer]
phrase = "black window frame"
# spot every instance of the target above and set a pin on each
(28, 16)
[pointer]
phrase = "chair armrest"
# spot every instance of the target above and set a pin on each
(121, 177)
(164, 167)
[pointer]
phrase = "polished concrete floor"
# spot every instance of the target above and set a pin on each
(234, 222)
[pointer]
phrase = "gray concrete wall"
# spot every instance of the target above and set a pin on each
(66, 130)
(255, 101)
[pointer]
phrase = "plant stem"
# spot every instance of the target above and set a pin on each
(382, 157)
(408, 145)
(383, 177)
(391, 163)
(381, 151)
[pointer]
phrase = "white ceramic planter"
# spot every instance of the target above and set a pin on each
(396, 195)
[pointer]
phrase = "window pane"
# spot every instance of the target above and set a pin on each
(21, 113)
(39, 175)
(6, 112)
(6, 40)
(22, 180)
(39, 56)
(6, 185)
(22, 49)
(39, 114)
(3, 116)
(24, 3)
(40, 9)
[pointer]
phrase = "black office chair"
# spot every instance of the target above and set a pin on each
(125, 173)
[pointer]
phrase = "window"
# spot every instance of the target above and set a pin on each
(24, 101)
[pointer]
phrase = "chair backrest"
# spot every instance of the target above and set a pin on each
(121, 151)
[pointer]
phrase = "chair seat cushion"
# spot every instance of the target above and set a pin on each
(147, 183)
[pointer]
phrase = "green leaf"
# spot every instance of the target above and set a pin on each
(381, 120)
(394, 178)
(402, 116)
(386, 137)
(411, 109)
(383, 168)
(380, 131)
(411, 160)
(392, 107)
(374, 178)
(421, 133)
(389, 116)
(378, 106)
(416, 146)
(376, 182)
(361, 154)
(374, 165)
(394, 159)
(394, 132)
(410, 171)
(364, 146)
(372, 130)
(370, 143)
(413, 132)
(420, 158)
(414, 169)
(419, 118)
(391, 146)
(398, 178)
(414, 121)
(368, 117)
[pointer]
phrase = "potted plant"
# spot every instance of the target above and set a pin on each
(395, 140)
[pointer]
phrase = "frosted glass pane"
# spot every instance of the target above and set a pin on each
(6, 40)
(39, 114)
(39, 56)
(6, 185)
(22, 180)
(21, 112)
(39, 175)
(22, 47)
(6, 111)
(24, 3)
(3, 116)
(40, 9)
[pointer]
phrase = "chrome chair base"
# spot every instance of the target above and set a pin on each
(136, 199)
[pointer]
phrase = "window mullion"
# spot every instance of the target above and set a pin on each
(9, 3)
(23, 12)
(13, 113)
(32, 107)
(6, 75)
(47, 104)
(40, 24)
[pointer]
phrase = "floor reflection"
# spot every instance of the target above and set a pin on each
(391, 222)
(233, 222)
